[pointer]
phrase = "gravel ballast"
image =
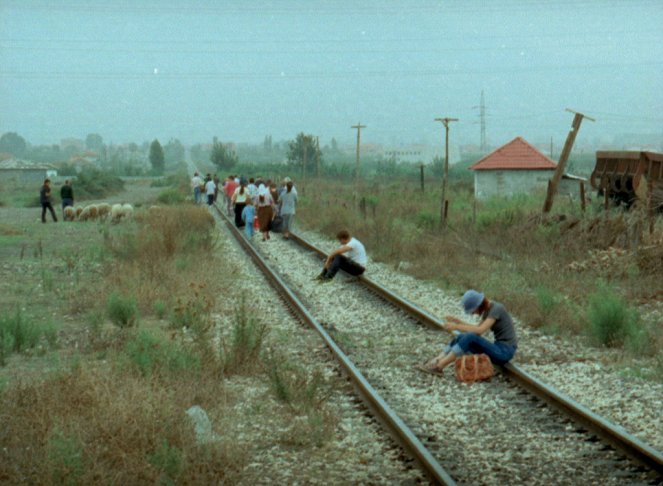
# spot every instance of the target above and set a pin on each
(386, 344)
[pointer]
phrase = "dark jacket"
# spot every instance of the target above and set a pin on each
(67, 192)
(45, 194)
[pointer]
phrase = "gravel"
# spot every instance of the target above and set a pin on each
(489, 433)
(358, 451)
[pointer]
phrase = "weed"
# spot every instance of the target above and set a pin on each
(18, 334)
(547, 301)
(426, 219)
(292, 385)
(169, 460)
(65, 457)
(160, 309)
(150, 355)
(46, 279)
(242, 353)
(171, 196)
(122, 310)
(611, 321)
(6, 344)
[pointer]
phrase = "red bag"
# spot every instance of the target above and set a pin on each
(474, 367)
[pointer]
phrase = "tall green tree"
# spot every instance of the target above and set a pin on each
(222, 156)
(13, 143)
(157, 158)
(304, 151)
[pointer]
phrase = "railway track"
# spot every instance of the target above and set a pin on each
(522, 439)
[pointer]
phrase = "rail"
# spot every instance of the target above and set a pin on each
(613, 434)
(399, 430)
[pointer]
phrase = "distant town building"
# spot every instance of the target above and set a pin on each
(17, 171)
(515, 168)
(420, 154)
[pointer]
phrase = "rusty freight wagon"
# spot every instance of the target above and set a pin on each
(628, 176)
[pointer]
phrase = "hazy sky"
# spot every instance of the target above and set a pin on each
(145, 69)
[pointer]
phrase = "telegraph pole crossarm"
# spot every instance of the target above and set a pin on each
(443, 210)
(563, 158)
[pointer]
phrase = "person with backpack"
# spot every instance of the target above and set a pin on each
(469, 339)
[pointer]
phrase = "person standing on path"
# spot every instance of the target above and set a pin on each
(196, 182)
(287, 203)
(350, 257)
(210, 190)
(239, 199)
(265, 210)
(45, 200)
(494, 317)
(67, 195)
(248, 216)
(216, 186)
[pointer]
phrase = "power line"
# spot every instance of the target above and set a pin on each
(312, 74)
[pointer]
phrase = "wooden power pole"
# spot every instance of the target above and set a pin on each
(564, 156)
(358, 126)
(317, 157)
(443, 205)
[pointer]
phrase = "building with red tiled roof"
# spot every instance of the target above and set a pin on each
(516, 167)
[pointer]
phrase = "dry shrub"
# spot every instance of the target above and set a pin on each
(170, 249)
(104, 426)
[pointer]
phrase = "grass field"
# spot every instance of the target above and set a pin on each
(109, 332)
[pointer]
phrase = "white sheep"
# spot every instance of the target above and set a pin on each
(128, 211)
(69, 213)
(84, 215)
(116, 213)
(103, 210)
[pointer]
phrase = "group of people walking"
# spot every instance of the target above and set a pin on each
(252, 202)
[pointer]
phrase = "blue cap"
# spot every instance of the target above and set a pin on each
(471, 301)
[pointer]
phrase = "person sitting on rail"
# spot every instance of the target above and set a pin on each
(350, 256)
(468, 338)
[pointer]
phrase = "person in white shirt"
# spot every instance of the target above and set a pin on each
(350, 257)
(196, 182)
(210, 189)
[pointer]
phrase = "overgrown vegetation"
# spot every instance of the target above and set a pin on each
(543, 269)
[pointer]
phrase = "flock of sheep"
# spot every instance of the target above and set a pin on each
(99, 212)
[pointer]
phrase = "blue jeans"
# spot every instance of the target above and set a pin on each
(196, 195)
(469, 343)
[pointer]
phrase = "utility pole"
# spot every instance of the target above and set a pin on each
(482, 117)
(358, 126)
(305, 139)
(317, 156)
(443, 206)
(564, 156)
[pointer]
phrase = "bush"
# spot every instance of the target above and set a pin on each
(170, 196)
(169, 460)
(243, 352)
(65, 457)
(122, 310)
(150, 355)
(92, 183)
(611, 321)
(18, 335)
